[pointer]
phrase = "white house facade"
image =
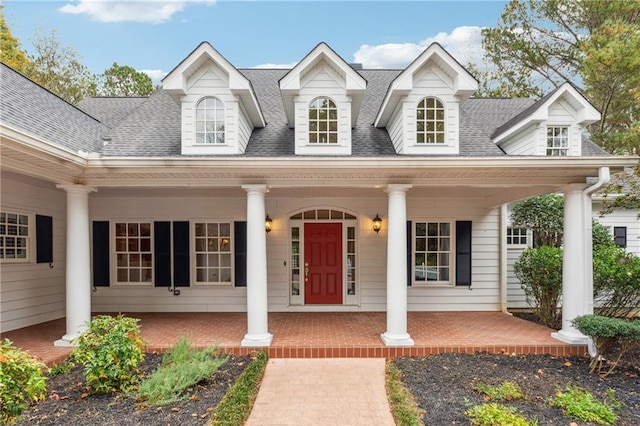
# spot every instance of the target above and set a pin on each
(322, 188)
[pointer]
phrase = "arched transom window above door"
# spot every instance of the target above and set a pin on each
(323, 214)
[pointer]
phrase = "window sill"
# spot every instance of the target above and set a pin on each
(207, 284)
(435, 284)
(124, 284)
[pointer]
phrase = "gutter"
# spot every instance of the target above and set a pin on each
(604, 177)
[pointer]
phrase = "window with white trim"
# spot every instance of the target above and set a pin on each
(14, 237)
(557, 141)
(430, 121)
(517, 236)
(432, 252)
(213, 247)
(323, 121)
(134, 256)
(210, 121)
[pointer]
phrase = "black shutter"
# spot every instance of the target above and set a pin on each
(44, 239)
(181, 276)
(101, 254)
(620, 236)
(463, 252)
(162, 254)
(240, 261)
(409, 252)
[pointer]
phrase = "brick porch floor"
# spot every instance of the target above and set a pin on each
(324, 335)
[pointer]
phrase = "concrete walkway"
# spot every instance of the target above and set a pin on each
(329, 391)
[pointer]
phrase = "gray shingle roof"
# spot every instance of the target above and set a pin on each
(151, 127)
(39, 113)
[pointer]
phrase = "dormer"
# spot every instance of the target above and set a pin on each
(552, 126)
(322, 95)
(421, 109)
(219, 106)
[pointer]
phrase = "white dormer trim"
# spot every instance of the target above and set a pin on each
(463, 83)
(292, 83)
(176, 82)
(585, 112)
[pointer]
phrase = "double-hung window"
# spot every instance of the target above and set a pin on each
(432, 257)
(557, 141)
(213, 250)
(134, 256)
(14, 237)
(323, 121)
(210, 121)
(517, 237)
(430, 121)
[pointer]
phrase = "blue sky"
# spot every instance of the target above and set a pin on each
(155, 36)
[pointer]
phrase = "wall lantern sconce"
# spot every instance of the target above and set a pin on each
(377, 223)
(267, 224)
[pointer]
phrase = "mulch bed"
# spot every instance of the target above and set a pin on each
(443, 385)
(69, 403)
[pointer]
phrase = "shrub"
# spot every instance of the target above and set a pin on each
(505, 391)
(612, 337)
(581, 404)
(540, 273)
(110, 350)
(616, 281)
(181, 368)
(21, 381)
(544, 215)
(497, 415)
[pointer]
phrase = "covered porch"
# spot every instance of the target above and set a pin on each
(325, 334)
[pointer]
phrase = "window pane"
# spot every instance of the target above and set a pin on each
(121, 229)
(421, 229)
(134, 275)
(213, 275)
(421, 244)
(132, 230)
(225, 260)
(200, 230)
(134, 260)
(201, 275)
(445, 229)
(432, 229)
(225, 229)
(225, 275)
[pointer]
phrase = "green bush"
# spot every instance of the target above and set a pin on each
(601, 237)
(181, 368)
(581, 404)
(616, 281)
(612, 337)
(21, 381)
(495, 414)
(110, 350)
(539, 271)
(544, 215)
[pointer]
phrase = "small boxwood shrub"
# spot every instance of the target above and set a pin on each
(110, 350)
(616, 281)
(21, 381)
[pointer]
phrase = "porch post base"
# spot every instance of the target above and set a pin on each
(397, 339)
(66, 341)
(570, 338)
(257, 340)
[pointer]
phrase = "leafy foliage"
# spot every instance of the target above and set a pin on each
(616, 281)
(236, 405)
(110, 350)
(21, 381)
(182, 368)
(10, 51)
(624, 190)
(612, 337)
(581, 404)
(505, 391)
(544, 215)
(495, 414)
(123, 80)
(539, 271)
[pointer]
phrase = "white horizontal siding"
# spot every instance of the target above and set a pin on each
(523, 143)
(621, 217)
(32, 293)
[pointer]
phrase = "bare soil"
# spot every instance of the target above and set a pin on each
(443, 385)
(68, 401)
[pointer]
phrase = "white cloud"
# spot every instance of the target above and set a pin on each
(273, 66)
(155, 75)
(151, 11)
(463, 43)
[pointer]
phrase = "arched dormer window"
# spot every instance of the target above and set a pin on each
(430, 121)
(323, 121)
(210, 121)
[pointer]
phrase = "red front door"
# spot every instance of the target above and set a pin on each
(323, 263)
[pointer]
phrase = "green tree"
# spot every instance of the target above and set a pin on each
(10, 52)
(59, 69)
(544, 215)
(123, 80)
(548, 42)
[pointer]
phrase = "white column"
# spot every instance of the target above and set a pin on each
(396, 334)
(257, 316)
(78, 266)
(574, 265)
